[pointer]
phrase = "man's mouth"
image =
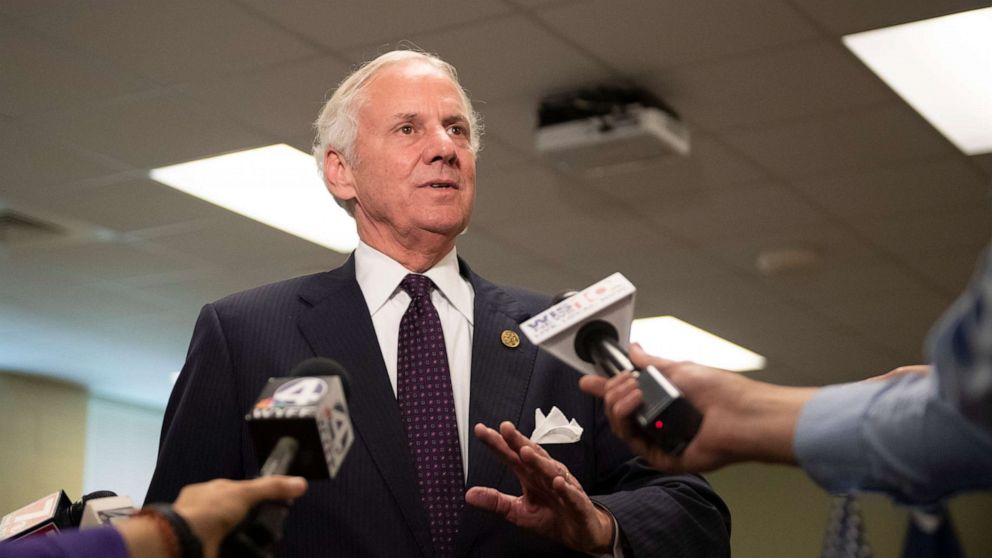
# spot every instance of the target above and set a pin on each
(442, 185)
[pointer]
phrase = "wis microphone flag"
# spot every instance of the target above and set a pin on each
(554, 330)
(590, 330)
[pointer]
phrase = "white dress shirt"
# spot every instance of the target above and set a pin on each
(379, 277)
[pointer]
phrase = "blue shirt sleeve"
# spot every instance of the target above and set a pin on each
(960, 346)
(918, 439)
(93, 543)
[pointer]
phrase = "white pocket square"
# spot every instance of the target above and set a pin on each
(555, 428)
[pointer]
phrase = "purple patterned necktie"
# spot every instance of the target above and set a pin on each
(423, 389)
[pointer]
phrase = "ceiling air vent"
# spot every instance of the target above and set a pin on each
(18, 228)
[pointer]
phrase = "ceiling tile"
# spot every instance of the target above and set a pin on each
(929, 234)
(534, 198)
(733, 213)
(496, 155)
(520, 265)
(850, 16)
(576, 241)
(817, 348)
(806, 79)
(172, 42)
(831, 242)
(26, 163)
(861, 139)
(877, 310)
(511, 121)
(536, 4)
(130, 205)
(189, 291)
(38, 76)
(656, 34)
(233, 241)
(103, 260)
(148, 132)
(984, 162)
(486, 53)
(23, 9)
(950, 268)
(374, 21)
(922, 187)
(283, 101)
(709, 169)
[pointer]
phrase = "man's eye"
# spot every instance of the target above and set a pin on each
(406, 129)
(457, 130)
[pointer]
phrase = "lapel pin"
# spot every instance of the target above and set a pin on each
(510, 339)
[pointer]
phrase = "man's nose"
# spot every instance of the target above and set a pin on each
(441, 147)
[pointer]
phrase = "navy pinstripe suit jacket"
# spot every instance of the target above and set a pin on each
(373, 507)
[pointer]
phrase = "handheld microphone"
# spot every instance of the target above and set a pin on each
(302, 424)
(104, 508)
(49, 515)
(44, 516)
(311, 408)
(585, 329)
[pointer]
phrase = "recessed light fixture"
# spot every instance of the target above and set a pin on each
(942, 67)
(276, 185)
(671, 338)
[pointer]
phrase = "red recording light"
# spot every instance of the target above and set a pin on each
(658, 424)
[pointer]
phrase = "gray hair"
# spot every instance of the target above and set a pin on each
(337, 124)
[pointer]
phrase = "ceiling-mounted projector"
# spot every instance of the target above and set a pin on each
(595, 129)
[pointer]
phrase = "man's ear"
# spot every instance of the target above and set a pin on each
(338, 176)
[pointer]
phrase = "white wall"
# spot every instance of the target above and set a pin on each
(121, 447)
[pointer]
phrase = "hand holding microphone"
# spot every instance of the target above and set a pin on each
(588, 330)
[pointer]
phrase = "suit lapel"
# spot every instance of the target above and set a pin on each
(338, 326)
(500, 377)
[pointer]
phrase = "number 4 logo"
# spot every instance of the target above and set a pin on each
(300, 392)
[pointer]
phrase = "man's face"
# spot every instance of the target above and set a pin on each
(414, 171)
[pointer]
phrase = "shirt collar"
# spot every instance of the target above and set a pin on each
(379, 277)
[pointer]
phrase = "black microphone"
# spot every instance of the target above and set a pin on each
(301, 423)
(584, 329)
(664, 415)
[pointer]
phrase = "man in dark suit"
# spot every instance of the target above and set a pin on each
(432, 348)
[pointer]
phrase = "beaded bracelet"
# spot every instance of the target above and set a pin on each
(179, 539)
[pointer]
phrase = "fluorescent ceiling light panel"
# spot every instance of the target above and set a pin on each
(942, 67)
(671, 338)
(276, 185)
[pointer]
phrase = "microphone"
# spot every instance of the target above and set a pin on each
(589, 330)
(51, 514)
(103, 508)
(302, 424)
(309, 408)
(44, 516)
